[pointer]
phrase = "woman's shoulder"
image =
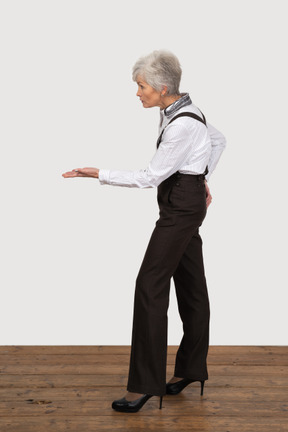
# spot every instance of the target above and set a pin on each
(191, 108)
(188, 122)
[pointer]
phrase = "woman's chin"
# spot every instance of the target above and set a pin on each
(145, 105)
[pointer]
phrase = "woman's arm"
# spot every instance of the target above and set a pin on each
(168, 159)
(218, 142)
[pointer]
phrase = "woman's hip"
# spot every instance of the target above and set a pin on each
(182, 200)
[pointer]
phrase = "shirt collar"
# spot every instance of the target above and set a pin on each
(180, 103)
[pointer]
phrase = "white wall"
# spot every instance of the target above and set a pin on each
(70, 248)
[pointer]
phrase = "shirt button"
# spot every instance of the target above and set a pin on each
(177, 184)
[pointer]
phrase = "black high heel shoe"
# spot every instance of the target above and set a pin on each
(122, 405)
(177, 387)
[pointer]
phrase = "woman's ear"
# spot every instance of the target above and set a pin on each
(164, 90)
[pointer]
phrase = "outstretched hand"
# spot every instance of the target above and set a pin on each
(208, 195)
(82, 172)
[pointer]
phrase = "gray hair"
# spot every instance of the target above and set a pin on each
(158, 69)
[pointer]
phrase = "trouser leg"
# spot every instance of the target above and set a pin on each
(147, 373)
(193, 305)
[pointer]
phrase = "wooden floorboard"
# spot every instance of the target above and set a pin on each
(70, 388)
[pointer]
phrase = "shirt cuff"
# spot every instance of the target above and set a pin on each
(104, 176)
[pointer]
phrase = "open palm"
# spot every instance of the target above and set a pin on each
(82, 172)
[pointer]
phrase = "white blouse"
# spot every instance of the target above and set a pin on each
(187, 146)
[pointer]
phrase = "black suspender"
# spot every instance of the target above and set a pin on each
(183, 114)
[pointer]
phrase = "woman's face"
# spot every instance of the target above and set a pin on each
(148, 95)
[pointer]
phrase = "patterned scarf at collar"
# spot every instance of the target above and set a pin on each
(175, 106)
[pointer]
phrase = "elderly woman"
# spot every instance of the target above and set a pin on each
(188, 150)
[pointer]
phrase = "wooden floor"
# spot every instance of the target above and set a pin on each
(70, 388)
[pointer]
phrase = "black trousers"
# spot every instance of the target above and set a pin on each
(174, 250)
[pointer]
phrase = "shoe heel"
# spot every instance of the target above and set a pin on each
(202, 387)
(160, 405)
